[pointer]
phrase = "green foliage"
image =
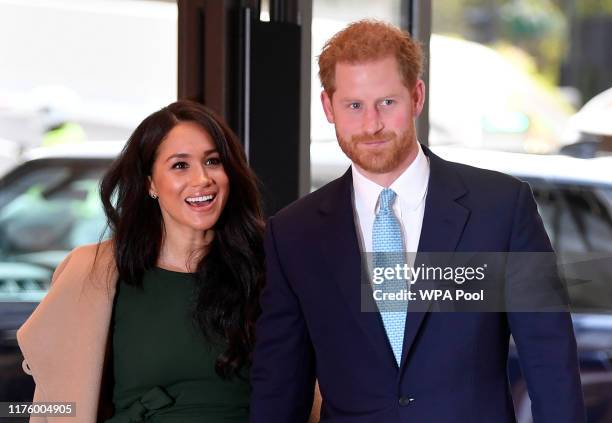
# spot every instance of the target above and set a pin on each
(539, 27)
(531, 19)
(593, 7)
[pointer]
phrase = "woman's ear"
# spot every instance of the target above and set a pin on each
(152, 188)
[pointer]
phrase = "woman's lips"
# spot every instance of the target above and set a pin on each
(202, 205)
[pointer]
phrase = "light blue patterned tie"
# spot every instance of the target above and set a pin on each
(388, 251)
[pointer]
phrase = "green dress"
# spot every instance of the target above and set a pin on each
(164, 369)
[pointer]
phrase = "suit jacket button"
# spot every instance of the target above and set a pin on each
(404, 401)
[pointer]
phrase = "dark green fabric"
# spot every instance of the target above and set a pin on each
(163, 367)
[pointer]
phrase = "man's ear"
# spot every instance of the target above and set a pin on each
(327, 106)
(418, 97)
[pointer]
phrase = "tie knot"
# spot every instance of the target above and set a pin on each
(386, 199)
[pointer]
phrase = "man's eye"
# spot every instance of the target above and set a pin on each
(355, 106)
(213, 161)
(180, 165)
(387, 102)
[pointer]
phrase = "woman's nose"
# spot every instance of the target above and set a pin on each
(202, 177)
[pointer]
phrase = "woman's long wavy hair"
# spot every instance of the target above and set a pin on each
(230, 275)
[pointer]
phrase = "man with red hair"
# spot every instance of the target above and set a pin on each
(408, 364)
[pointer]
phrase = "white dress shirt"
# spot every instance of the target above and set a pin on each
(409, 204)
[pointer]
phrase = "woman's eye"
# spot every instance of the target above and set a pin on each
(213, 161)
(387, 102)
(354, 106)
(179, 165)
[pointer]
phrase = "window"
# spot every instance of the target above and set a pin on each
(512, 74)
(47, 208)
(328, 17)
(98, 65)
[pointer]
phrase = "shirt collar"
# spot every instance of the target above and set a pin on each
(410, 186)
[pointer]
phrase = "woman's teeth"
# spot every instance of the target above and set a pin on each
(199, 200)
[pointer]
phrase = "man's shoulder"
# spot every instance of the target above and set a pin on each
(309, 206)
(482, 182)
(477, 175)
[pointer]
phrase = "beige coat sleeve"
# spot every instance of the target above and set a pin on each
(64, 340)
(39, 393)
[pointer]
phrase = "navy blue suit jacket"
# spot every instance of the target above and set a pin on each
(453, 367)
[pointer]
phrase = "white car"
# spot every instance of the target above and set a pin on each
(9, 155)
(50, 204)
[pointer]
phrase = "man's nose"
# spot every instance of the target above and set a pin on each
(372, 122)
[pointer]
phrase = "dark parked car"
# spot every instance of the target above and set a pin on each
(48, 205)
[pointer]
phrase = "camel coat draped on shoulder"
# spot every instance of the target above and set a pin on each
(64, 340)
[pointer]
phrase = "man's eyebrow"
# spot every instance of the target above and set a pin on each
(355, 100)
(390, 95)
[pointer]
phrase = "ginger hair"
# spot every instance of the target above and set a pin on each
(369, 40)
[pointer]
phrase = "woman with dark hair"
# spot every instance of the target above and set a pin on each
(159, 318)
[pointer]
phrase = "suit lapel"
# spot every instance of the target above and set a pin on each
(341, 251)
(443, 223)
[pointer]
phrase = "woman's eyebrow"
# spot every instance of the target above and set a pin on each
(178, 156)
(187, 155)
